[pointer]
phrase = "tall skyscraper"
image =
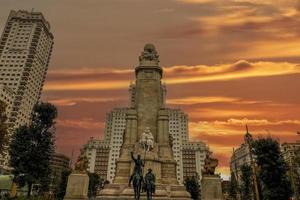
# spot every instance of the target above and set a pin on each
(25, 50)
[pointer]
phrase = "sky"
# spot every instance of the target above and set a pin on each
(227, 63)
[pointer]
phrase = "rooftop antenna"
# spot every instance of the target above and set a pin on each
(247, 128)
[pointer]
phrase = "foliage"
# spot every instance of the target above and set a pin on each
(296, 171)
(3, 126)
(32, 147)
(95, 182)
(246, 182)
(193, 187)
(272, 169)
(233, 188)
(61, 189)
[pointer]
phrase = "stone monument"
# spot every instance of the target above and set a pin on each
(78, 181)
(211, 184)
(147, 120)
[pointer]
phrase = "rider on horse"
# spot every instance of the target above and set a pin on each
(138, 167)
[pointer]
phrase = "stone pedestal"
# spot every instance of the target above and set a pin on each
(77, 187)
(211, 187)
(163, 192)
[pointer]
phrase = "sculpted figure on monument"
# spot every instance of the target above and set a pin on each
(210, 165)
(149, 54)
(147, 140)
(82, 162)
(149, 186)
(137, 176)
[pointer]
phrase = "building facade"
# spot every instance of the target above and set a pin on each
(25, 50)
(58, 164)
(193, 158)
(97, 152)
(290, 152)
(109, 148)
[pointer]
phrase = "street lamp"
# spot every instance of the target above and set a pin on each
(249, 141)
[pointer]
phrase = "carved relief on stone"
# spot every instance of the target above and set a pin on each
(147, 140)
(82, 162)
(210, 165)
(149, 54)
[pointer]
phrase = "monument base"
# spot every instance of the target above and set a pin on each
(77, 187)
(163, 192)
(211, 187)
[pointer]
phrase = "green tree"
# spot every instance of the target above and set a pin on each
(61, 189)
(233, 188)
(192, 185)
(32, 147)
(246, 182)
(3, 126)
(296, 171)
(272, 170)
(94, 183)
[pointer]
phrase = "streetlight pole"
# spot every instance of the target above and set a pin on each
(248, 139)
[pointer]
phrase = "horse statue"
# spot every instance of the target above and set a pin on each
(137, 185)
(137, 176)
(149, 184)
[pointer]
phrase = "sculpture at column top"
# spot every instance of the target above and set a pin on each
(147, 140)
(149, 55)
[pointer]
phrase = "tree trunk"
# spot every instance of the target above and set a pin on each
(29, 190)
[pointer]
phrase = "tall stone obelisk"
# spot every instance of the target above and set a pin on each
(147, 111)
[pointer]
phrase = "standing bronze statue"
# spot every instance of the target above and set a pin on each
(149, 184)
(137, 176)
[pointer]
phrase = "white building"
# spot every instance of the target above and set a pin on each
(25, 50)
(113, 136)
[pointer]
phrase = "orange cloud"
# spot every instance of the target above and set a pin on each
(195, 100)
(74, 101)
(188, 74)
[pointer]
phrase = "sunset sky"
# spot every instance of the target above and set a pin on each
(227, 63)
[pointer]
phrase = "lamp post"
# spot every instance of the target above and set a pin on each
(249, 140)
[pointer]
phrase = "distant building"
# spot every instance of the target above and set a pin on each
(240, 157)
(25, 50)
(193, 158)
(58, 164)
(98, 151)
(290, 151)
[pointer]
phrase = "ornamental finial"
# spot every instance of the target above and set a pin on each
(149, 56)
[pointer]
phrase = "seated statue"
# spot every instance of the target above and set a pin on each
(210, 165)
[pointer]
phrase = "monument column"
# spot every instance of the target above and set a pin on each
(148, 90)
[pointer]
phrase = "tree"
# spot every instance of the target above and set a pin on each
(3, 126)
(246, 180)
(296, 172)
(193, 187)
(94, 183)
(233, 188)
(61, 189)
(272, 169)
(32, 147)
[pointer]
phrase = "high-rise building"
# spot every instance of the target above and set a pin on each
(25, 50)
(290, 153)
(58, 164)
(193, 158)
(240, 156)
(110, 146)
(97, 152)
